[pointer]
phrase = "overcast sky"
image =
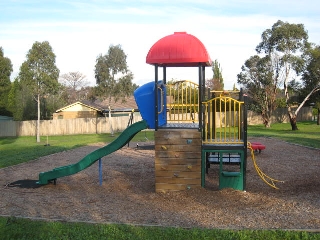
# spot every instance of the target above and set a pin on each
(80, 30)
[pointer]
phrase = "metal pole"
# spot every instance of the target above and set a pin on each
(156, 96)
(200, 99)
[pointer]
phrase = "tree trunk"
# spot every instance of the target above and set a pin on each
(293, 122)
(266, 119)
(38, 122)
(266, 122)
(110, 122)
(318, 117)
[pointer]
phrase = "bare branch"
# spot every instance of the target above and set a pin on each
(316, 89)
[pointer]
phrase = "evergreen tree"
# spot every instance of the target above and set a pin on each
(40, 73)
(5, 84)
(113, 77)
(216, 83)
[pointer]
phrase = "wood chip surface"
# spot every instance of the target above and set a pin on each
(127, 194)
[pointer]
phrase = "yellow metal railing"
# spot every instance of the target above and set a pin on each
(183, 101)
(223, 123)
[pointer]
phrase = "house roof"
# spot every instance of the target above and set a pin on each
(127, 103)
(100, 106)
(83, 103)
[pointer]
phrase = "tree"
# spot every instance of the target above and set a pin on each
(40, 73)
(5, 84)
(311, 79)
(113, 77)
(289, 42)
(260, 79)
(216, 83)
(74, 82)
(23, 107)
(15, 103)
(12, 97)
(234, 88)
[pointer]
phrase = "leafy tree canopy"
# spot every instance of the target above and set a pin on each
(289, 42)
(5, 73)
(216, 83)
(113, 77)
(5, 69)
(260, 81)
(311, 79)
(39, 71)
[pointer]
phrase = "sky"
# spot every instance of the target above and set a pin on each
(80, 30)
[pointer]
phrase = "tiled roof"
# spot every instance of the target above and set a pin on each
(128, 103)
(88, 104)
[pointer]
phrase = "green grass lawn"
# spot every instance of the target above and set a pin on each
(14, 228)
(307, 135)
(15, 150)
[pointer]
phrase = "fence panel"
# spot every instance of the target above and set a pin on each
(66, 126)
(8, 128)
(104, 125)
(280, 115)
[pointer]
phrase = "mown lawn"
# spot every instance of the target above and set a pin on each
(15, 150)
(15, 228)
(307, 135)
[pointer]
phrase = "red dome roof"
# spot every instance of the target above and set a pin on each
(178, 50)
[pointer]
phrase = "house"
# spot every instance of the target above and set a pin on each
(89, 109)
(80, 109)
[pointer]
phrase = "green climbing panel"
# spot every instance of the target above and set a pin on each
(232, 167)
(231, 175)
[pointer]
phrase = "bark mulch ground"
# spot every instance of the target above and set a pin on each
(127, 194)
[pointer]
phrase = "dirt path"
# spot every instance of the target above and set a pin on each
(127, 194)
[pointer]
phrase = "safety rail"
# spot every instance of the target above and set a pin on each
(223, 121)
(183, 102)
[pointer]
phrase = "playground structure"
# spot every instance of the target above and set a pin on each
(194, 127)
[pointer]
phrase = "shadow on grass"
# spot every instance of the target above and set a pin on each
(7, 140)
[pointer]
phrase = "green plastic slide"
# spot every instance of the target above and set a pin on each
(87, 161)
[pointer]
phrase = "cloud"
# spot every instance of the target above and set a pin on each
(78, 31)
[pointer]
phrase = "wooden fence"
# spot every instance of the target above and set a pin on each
(66, 126)
(103, 125)
(280, 115)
